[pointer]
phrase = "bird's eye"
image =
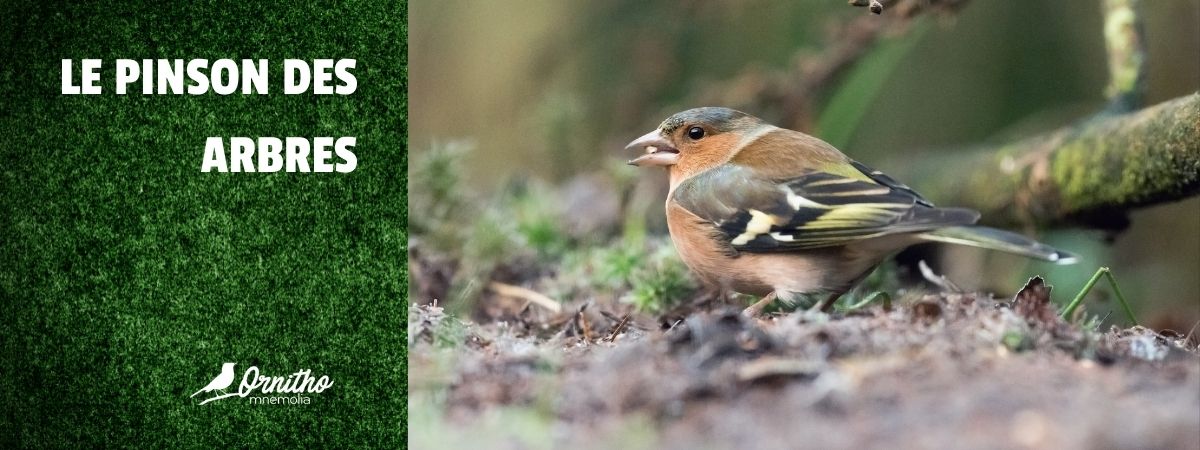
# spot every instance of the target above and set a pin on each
(695, 133)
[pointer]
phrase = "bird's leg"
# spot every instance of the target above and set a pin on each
(726, 296)
(756, 309)
(717, 296)
(827, 304)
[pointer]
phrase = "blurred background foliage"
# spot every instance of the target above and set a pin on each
(520, 110)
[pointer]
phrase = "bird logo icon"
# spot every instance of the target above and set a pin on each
(221, 382)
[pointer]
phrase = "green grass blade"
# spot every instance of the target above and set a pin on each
(1082, 293)
(1112, 281)
(842, 115)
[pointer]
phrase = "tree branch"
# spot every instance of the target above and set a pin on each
(794, 92)
(1089, 174)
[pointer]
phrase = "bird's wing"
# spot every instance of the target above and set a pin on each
(882, 178)
(813, 210)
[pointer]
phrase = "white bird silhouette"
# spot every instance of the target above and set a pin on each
(221, 382)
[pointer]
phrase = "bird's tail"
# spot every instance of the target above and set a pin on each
(1005, 241)
(197, 393)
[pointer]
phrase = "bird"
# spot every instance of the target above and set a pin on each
(221, 382)
(767, 211)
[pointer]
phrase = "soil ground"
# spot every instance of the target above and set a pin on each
(946, 370)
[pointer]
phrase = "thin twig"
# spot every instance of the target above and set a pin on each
(1191, 333)
(938, 280)
(795, 90)
(529, 295)
(583, 324)
(673, 325)
(616, 331)
(887, 301)
(1125, 40)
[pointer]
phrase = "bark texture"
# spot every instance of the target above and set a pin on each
(1089, 174)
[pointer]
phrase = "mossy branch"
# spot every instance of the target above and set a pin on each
(1089, 174)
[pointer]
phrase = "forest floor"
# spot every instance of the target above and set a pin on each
(944, 370)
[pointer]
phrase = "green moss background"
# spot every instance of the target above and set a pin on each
(127, 276)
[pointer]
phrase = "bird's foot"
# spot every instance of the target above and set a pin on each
(826, 305)
(756, 309)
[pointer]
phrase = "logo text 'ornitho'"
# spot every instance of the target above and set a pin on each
(297, 384)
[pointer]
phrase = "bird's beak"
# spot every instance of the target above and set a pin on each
(658, 151)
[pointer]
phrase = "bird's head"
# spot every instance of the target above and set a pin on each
(227, 366)
(698, 139)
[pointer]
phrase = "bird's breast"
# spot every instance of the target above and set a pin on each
(709, 258)
(810, 271)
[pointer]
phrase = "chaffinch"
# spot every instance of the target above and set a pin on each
(772, 212)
